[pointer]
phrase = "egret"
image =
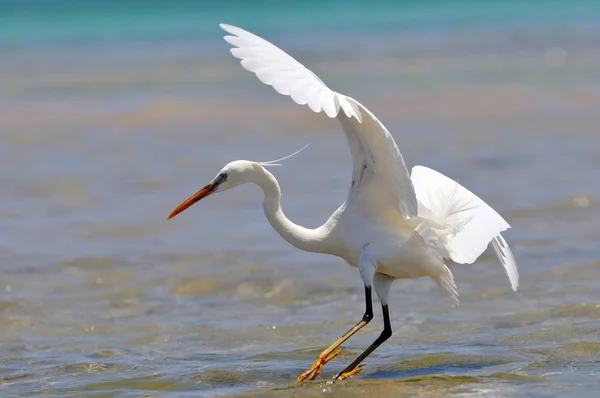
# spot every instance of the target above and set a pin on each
(392, 225)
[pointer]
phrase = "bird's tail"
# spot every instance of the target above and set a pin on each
(425, 237)
(464, 223)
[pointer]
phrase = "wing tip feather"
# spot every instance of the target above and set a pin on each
(228, 28)
(507, 259)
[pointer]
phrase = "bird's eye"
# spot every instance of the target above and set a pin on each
(223, 176)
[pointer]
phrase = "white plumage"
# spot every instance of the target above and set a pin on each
(289, 77)
(274, 67)
(392, 225)
(463, 223)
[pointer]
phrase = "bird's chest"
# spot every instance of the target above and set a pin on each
(386, 236)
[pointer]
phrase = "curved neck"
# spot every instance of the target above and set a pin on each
(312, 240)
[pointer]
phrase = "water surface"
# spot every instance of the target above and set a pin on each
(110, 117)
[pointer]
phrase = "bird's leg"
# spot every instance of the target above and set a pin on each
(387, 332)
(330, 352)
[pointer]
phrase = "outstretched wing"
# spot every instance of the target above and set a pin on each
(467, 224)
(379, 178)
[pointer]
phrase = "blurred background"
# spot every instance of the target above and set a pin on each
(113, 112)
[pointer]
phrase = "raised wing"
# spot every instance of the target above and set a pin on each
(379, 174)
(287, 76)
(465, 223)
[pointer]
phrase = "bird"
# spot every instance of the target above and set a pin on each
(392, 225)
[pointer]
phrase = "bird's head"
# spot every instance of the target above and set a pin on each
(230, 176)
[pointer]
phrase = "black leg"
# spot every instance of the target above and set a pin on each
(368, 306)
(387, 332)
(330, 352)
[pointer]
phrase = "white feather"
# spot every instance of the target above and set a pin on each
(464, 222)
(458, 225)
(380, 177)
(274, 67)
(424, 236)
(507, 259)
(276, 161)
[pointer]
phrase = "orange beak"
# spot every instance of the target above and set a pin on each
(201, 194)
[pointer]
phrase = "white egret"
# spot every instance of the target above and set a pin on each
(391, 225)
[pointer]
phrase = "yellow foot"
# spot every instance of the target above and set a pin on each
(353, 372)
(322, 359)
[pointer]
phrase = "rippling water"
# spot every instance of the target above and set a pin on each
(101, 296)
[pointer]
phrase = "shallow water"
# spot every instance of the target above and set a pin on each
(101, 296)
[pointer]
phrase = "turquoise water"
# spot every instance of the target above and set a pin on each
(86, 22)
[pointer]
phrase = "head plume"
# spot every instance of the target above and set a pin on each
(277, 162)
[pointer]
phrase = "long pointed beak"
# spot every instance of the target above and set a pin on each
(203, 193)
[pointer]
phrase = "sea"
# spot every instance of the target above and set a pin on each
(114, 112)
